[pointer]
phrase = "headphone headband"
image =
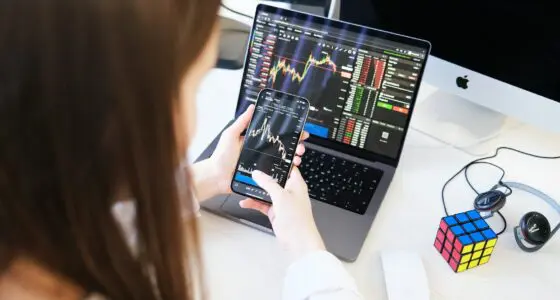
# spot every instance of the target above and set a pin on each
(534, 191)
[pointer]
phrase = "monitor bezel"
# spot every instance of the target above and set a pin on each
(375, 33)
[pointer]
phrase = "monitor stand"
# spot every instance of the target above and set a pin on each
(459, 123)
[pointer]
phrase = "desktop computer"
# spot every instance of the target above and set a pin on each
(494, 62)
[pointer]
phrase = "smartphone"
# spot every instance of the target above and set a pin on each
(270, 141)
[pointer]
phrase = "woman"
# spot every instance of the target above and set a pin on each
(96, 114)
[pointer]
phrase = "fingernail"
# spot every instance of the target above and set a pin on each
(249, 109)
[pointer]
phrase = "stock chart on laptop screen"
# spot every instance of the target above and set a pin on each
(360, 87)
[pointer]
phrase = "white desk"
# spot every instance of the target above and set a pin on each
(243, 263)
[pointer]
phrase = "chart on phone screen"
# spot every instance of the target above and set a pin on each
(272, 137)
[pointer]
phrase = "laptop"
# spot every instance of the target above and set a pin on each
(362, 84)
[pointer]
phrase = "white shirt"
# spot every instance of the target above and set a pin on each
(316, 276)
(319, 276)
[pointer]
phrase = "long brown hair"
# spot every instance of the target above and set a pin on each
(87, 94)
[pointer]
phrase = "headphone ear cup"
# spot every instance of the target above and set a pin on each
(534, 228)
(519, 239)
(490, 201)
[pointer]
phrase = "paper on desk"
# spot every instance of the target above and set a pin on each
(405, 277)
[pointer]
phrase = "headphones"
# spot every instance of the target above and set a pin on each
(534, 229)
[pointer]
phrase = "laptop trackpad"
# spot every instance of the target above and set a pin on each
(231, 207)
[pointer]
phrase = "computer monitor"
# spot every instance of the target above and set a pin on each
(500, 55)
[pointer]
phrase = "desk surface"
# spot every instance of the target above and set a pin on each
(243, 263)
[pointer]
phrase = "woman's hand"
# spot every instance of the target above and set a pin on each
(213, 175)
(290, 213)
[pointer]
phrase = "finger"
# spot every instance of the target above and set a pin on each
(300, 149)
(304, 136)
(297, 161)
(243, 121)
(255, 205)
(267, 183)
(295, 180)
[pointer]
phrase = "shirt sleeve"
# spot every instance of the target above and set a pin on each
(319, 276)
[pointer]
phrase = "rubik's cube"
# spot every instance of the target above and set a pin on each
(465, 240)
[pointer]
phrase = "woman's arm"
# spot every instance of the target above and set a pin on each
(212, 176)
(207, 180)
(319, 276)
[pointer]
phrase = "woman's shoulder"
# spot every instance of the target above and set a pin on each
(26, 279)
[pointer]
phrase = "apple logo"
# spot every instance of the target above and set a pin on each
(462, 82)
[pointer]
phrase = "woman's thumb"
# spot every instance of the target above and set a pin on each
(296, 180)
(243, 121)
(267, 183)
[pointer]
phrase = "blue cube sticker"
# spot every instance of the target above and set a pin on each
(465, 240)
(450, 221)
(457, 230)
(462, 217)
(481, 224)
(474, 215)
(469, 227)
(489, 234)
(477, 237)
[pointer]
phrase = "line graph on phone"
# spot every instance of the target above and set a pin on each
(272, 138)
(265, 135)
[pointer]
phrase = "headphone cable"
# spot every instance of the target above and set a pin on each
(482, 161)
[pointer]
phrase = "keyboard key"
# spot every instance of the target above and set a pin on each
(339, 182)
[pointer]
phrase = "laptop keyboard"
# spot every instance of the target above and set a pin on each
(339, 182)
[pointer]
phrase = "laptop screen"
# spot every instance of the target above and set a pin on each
(361, 82)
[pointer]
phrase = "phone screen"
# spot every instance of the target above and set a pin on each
(270, 141)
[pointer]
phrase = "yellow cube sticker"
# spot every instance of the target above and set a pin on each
(477, 254)
(491, 243)
(466, 258)
(479, 246)
(488, 251)
(473, 263)
(484, 260)
(467, 249)
(462, 267)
